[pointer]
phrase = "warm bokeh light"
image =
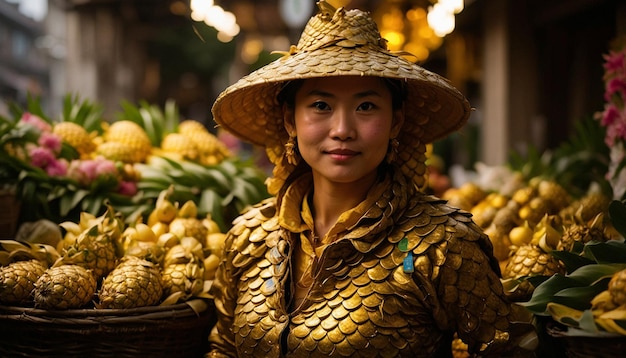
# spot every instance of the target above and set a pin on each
(213, 15)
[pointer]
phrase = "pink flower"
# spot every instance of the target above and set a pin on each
(610, 115)
(105, 167)
(36, 121)
(615, 86)
(128, 188)
(41, 157)
(50, 141)
(614, 63)
(57, 167)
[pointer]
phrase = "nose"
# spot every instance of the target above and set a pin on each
(342, 125)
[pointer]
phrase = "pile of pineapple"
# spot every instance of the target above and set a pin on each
(536, 218)
(103, 263)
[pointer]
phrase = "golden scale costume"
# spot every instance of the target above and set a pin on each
(396, 275)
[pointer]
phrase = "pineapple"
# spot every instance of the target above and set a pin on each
(64, 287)
(530, 260)
(120, 152)
(17, 281)
(589, 206)
(95, 248)
(211, 150)
(580, 231)
(127, 134)
(184, 279)
(76, 136)
(617, 287)
(179, 145)
(183, 227)
(554, 194)
(135, 282)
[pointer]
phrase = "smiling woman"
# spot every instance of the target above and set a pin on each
(350, 258)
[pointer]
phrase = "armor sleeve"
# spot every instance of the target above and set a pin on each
(470, 297)
(224, 288)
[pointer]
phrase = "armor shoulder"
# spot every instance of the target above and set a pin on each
(247, 239)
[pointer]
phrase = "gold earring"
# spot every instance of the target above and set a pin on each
(392, 152)
(290, 151)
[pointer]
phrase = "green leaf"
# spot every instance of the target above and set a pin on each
(571, 260)
(210, 203)
(545, 292)
(612, 251)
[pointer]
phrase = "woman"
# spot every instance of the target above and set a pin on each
(349, 258)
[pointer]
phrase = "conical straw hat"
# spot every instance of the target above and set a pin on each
(339, 42)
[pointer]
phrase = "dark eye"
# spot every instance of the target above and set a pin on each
(366, 106)
(321, 106)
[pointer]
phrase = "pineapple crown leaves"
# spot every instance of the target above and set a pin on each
(221, 190)
(85, 113)
(13, 250)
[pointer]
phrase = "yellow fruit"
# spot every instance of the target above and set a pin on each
(133, 283)
(188, 210)
(166, 211)
(64, 287)
(521, 235)
(121, 152)
(76, 136)
(215, 242)
(145, 233)
(210, 266)
(193, 227)
(131, 135)
(160, 228)
(17, 281)
(179, 144)
(211, 225)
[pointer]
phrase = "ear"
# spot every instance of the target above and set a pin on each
(289, 120)
(398, 121)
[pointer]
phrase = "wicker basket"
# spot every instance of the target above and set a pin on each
(160, 331)
(588, 346)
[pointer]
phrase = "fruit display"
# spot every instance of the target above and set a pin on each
(102, 262)
(60, 167)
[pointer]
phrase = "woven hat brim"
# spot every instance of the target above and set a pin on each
(250, 110)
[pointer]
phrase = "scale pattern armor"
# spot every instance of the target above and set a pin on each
(363, 302)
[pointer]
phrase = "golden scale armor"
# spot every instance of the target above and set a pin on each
(400, 274)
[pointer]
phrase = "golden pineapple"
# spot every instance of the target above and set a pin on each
(120, 152)
(186, 251)
(530, 260)
(95, 248)
(554, 194)
(184, 279)
(587, 207)
(64, 287)
(617, 287)
(180, 145)
(76, 136)
(132, 135)
(135, 282)
(193, 227)
(147, 250)
(211, 150)
(17, 281)
(580, 231)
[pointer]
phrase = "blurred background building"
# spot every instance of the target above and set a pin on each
(531, 68)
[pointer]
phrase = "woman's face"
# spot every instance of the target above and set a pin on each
(343, 126)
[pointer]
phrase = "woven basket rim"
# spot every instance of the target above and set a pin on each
(99, 316)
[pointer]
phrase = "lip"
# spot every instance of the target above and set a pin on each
(341, 153)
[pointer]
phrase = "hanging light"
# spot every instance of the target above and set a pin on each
(440, 20)
(453, 6)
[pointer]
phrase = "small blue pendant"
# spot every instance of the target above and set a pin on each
(407, 264)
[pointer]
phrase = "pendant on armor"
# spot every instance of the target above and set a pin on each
(407, 264)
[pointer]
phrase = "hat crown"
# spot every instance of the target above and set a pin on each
(340, 27)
